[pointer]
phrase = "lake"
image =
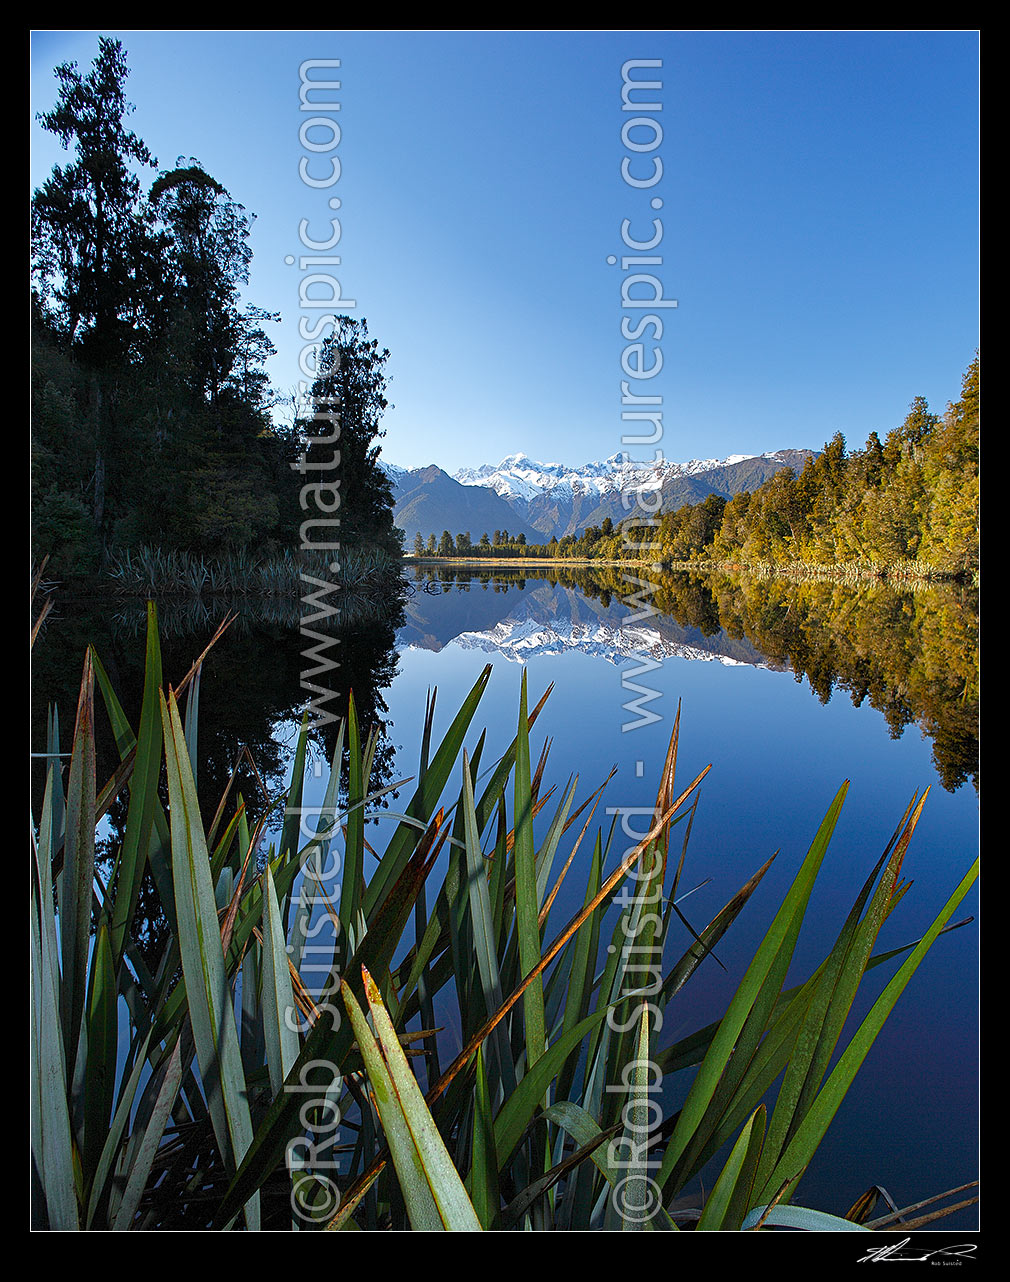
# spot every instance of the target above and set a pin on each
(786, 689)
(779, 751)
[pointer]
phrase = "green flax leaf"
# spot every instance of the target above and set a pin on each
(209, 994)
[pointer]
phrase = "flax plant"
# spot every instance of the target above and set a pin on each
(216, 1087)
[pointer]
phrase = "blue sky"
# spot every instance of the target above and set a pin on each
(819, 221)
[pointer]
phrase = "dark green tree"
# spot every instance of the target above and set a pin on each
(349, 399)
(90, 241)
(207, 261)
(143, 353)
(94, 256)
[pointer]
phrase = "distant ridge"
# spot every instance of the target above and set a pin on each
(428, 501)
(542, 500)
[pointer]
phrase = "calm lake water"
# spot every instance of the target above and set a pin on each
(778, 754)
(786, 692)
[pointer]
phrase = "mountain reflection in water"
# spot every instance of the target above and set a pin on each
(778, 759)
(912, 656)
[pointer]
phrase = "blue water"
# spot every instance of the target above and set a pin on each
(778, 756)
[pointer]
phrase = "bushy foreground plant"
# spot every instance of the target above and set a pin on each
(259, 1071)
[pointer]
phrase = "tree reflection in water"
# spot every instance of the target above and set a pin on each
(912, 655)
(250, 697)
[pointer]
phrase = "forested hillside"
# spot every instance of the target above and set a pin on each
(912, 499)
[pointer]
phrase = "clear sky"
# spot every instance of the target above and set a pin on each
(819, 221)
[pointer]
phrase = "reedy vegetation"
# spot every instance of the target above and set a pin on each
(153, 571)
(166, 1095)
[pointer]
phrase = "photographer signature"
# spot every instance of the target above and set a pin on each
(896, 1251)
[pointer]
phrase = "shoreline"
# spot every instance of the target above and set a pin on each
(524, 561)
(898, 572)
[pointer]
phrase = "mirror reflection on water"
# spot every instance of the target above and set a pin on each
(787, 689)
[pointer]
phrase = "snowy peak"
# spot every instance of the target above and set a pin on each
(527, 639)
(520, 477)
(554, 499)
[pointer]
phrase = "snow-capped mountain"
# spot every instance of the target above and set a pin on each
(393, 471)
(549, 620)
(542, 500)
(520, 477)
(556, 499)
(427, 501)
(526, 639)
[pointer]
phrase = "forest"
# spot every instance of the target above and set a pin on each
(155, 426)
(911, 500)
(153, 419)
(293, 972)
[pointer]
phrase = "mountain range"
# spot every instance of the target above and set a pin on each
(428, 501)
(541, 500)
(549, 619)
